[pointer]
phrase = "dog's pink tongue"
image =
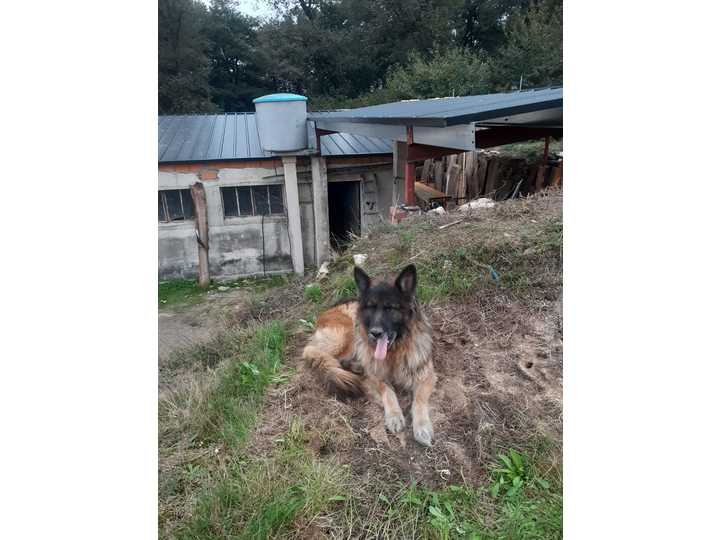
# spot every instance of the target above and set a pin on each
(381, 348)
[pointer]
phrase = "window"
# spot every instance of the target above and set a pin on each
(253, 201)
(175, 205)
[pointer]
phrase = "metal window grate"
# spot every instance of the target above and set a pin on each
(240, 201)
(175, 205)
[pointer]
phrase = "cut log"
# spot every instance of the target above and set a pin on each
(197, 191)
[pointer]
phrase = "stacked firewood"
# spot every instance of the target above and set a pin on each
(487, 173)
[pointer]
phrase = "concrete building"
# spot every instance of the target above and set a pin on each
(283, 185)
(247, 198)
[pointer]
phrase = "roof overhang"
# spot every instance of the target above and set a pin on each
(464, 123)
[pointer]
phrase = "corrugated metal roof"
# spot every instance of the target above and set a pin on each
(211, 137)
(442, 112)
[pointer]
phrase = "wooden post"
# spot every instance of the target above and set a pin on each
(409, 183)
(197, 191)
(409, 171)
(320, 209)
(293, 211)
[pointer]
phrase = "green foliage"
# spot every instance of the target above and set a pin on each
(453, 72)
(532, 511)
(532, 49)
(183, 66)
(352, 53)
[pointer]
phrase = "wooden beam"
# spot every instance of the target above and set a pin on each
(197, 192)
(409, 183)
(421, 152)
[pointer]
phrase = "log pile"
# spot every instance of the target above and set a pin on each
(486, 173)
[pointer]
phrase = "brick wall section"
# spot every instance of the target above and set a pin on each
(208, 174)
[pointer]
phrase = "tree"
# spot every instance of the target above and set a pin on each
(183, 66)
(449, 72)
(235, 77)
(533, 49)
(481, 24)
(453, 72)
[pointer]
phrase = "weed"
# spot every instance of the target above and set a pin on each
(313, 293)
(344, 289)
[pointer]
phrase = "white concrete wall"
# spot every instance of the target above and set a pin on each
(236, 244)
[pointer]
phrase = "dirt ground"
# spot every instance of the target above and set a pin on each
(499, 378)
(182, 326)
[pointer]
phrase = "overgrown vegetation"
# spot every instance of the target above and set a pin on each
(212, 485)
(349, 53)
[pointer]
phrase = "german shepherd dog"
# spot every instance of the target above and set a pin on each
(382, 340)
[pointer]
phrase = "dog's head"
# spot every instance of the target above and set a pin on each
(386, 309)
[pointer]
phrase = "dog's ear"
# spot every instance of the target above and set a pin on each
(362, 280)
(407, 280)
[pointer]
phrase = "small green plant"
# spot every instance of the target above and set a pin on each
(510, 476)
(313, 293)
(345, 289)
(442, 517)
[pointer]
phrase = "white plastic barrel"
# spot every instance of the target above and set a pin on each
(282, 122)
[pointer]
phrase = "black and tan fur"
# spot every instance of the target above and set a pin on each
(349, 334)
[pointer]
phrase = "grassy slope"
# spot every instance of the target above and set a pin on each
(210, 488)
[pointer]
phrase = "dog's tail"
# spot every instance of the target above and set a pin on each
(331, 373)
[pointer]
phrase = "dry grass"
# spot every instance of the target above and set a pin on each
(309, 465)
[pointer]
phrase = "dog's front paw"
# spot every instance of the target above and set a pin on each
(395, 422)
(423, 432)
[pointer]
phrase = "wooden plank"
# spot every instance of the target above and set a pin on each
(427, 194)
(477, 181)
(556, 177)
(425, 175)
(452, 179)
(450, 162)
(528, 185)
(439, 167)
(492, 173)
(540, 178)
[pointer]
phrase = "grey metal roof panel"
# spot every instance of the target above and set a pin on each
(441, 112)
(231, 136)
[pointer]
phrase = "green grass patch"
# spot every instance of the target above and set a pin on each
(188, 292)
(532, 511)
(313, 293)
(265, 498)
(230, 408)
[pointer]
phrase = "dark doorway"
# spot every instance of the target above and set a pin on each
(344, 212)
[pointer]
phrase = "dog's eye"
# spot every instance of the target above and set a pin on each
(389, 308)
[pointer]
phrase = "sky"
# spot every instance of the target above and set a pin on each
(254, 8)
